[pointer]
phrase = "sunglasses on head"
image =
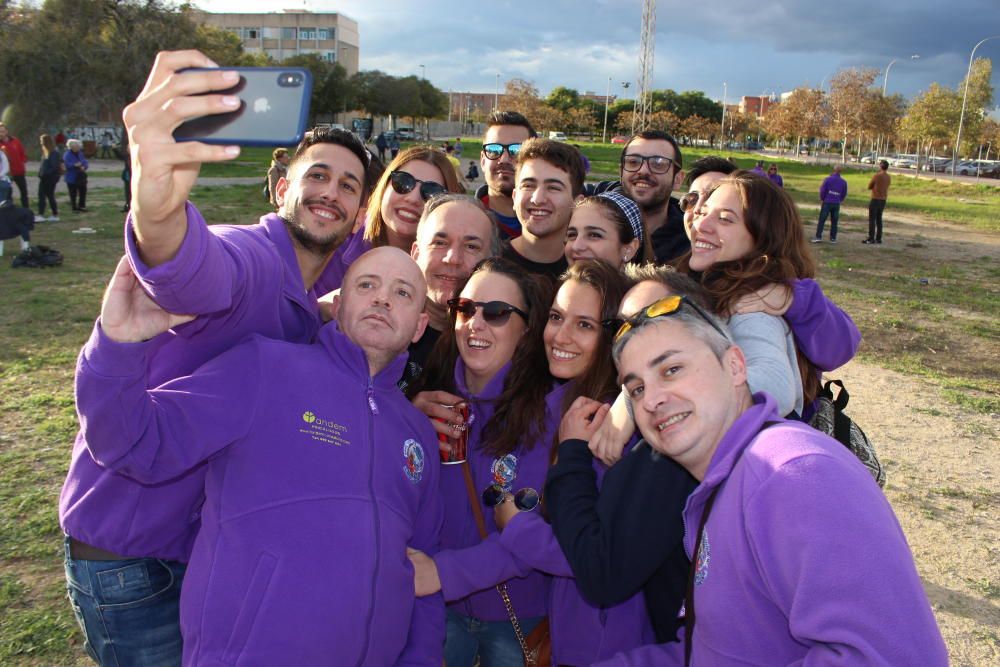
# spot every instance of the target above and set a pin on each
(524, 500)
(494, 312)
(666, 306)
(403, 183)
(690, 200)
(658, 164)
(494, 151)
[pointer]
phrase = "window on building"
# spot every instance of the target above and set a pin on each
(307, 33)
(330, 56)
(251, 33)
(271, 33)
(324, 33)
(288, 33)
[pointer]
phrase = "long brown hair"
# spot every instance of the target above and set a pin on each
(48, 145)
(375, 227)
(599, 381)
(780, 254)
(519, 418)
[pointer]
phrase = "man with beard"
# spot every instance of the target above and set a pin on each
(506, 131)
(549, 183)
(650, 169)
(127, 544)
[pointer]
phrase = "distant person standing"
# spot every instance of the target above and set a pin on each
(772, 173)
(76, 174)
(832, 194)
(759, 168)
(381, 144)
(106, 147)
(279, 169)
(17, 157)
(394, 146)
(5, 187)
(49, 172)
(60, 142)
(457, 148)
(879, 185)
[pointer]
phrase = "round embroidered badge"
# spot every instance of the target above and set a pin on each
(413, 454)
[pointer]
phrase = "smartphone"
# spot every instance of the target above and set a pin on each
(274, 108)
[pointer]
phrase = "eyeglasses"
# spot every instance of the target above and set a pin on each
(495, 313)
(403, 183)
(524, 500)
(495, 151)
(668, 305)
(658, 164)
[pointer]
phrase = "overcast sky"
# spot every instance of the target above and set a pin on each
(754, 46)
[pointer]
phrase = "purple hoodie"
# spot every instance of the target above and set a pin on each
(833, 190)
(318, 478)
(468, 566)
(240, 280)
(823, 332)
(802, 559)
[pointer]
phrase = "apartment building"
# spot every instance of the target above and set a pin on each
(290, 32)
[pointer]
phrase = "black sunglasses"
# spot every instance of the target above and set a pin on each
(524, 500)
(403, 183)
(494, 151)
(668, 305)
(658, 164)
(494, 312)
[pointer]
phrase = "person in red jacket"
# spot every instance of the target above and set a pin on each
(14, 150)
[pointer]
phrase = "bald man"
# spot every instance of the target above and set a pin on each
(319, 473)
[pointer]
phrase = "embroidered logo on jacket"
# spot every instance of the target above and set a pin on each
(326, 431)
(704, 556)
(504, 471)
(413, 454)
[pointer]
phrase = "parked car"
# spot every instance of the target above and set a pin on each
(904, 163)
(755, 146)
(619, 139)
(558, 136)
(405, 134)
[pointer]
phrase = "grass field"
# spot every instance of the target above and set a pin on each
(945, 331)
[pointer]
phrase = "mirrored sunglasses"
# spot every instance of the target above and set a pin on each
(525, 500)
(403, 183)
(664, 307)
(494, 151)
(690, 200)
(495, 313)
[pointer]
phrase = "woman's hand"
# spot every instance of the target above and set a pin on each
(425, 573)
(609, 440)
(582, 419)
(438, 406)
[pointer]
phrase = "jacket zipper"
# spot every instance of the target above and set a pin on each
(372, 411)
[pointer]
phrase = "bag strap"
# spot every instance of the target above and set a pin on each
(840, 402)
(477, 514)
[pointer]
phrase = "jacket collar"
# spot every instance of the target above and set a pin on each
(490, 392)
(276, 231)
(739, 436)
(351, 358)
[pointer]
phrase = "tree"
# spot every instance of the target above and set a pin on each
(802, 116)
(978, 101)
(850, 92)
(522, 96)
(932, 119)
(321, 70)
(563, 98)
(72, 59)
(694, 103)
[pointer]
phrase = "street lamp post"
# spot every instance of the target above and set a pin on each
(722, 142)
(423, 72)
(607, 100)
(885, 79)
(961, 117)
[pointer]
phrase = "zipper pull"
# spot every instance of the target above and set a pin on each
(371, 398)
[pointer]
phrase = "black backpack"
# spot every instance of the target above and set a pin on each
(830, 419)
(38, 256)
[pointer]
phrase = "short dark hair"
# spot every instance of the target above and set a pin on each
(656, 135)
(558, 154)
(708, 164)
(510, 118)
(884, 164)
(330, 135)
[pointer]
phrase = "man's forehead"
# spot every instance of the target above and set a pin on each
(506, 134)
(331, 156)
(541, 169)
(651, 147)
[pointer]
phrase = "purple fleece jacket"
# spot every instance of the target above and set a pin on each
(239, 280)
(318, 478)
(468, 566)
(823, 332)
(833, 190)
(802, 559)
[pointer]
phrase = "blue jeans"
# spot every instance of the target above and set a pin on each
(128, 610)
(493, 641)
(833, 210)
